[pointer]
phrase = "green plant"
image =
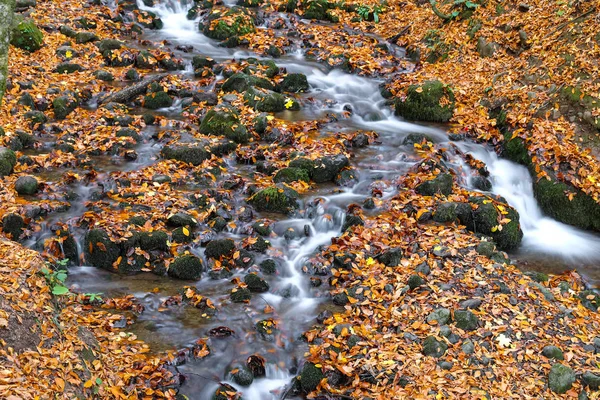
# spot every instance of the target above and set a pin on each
(56, 279)
(367, 13)
(92, 297)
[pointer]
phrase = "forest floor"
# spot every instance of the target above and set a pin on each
(429, 305)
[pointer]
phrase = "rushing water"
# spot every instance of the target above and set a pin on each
(294, 301)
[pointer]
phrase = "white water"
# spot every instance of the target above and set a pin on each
(541, 234)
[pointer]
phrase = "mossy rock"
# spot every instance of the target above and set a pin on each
(224, 121)
(13, 226)
(591, 380)
(224, 392)
(433, 347)
(223, 23)
(219, 248)
(561, 378)
(266, 67)
(553, 352)
(294, 83)
(445, 212)
(291, 174)
(68, 68)
(318, 9)
(8, 160)
(277, 199)
(243, 376)
(108, 44)
(240, 82)
(268, 266)
(181, 219)
(26, 185)
(100, 250)
(186, 267)
(188, 154)
(269, 101)
(148, 20)
(325, 169)
(390, 257)
(440, 316)
(256, 284)
(240, 295)
(63, 106)
(590, 300)
(85, 37)
(150, 241)
(486, 248)
(441, 184)
(157, 100)
(26, 35)
(432, 101)
(199, 62)
(466, 320)
(310, 377)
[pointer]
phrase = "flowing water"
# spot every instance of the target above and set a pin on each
(295, 302)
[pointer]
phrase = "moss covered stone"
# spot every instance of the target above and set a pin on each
(278, 199)
(433, 347)
(26, 35)
(100, 250)
(256, 284)
(219, 248)
(441, 184)
(157, 100)
(310, 377)
(325, 169)
(553, 352)
(150, 241)
(224, 121)
(26, 185)
(415, 281)
(188, 154)
(560, 378)
(63, 106)
(432, 101)
(186, 267)
(268, 266)
(13, 226)
(240, 82)
(291, 174)
(226, 23)
(318, 9)
(181, 219)
(269, 101)
(294, 83)
(8, 159)
(466, 320)
(240, 294)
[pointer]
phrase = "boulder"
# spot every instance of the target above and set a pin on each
(560, 378)
(326, 168)
(26, 185)
(432, 101)
(433, 347)
(8, 160)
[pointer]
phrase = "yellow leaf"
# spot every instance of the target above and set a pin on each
(419, 90)
(370, 261)
(69, 54)
(494, 228)
(270, 118)
(186, 232)
(289, 103)
(88, 384)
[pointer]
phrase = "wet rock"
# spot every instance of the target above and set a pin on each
(433, 347)
(445, 212)
(441, 316)
(224, 392)
(310, 377)
(108, 44)
(481, 183)
(260, 245)
(243, 377)
(219, 248)
(8, 160)
(352, 220)
(180, 236)
(340, 299)
(415, 281)
(277, 199)
(36, 117)
(302, 163)
(416, 138)
(268, 266)
(486, 248)
(291, 174)
(266, 67)
(26, 185)
(466, 320)
(85, 37)
(225, 23)
(188, 154)
(100, 250)
(25, 34)
(202, 62)
(318, 9)
(104, 75)
(590, 300)
(148, 20)
(294, 83)
(133, 75)
(347, 178)
(256, 284)
(326, 168)
(553, 352)
(157, 100)
(432, 101)
(63, 106)
(240, 295)
(225, 121)
(181, 219)
(269, 101)
(262, 228)
(186, 267)
(560, 378)
(441, 184)
(591, 380)
(13, 226)
(240, 82)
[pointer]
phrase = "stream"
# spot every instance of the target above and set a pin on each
(547, 245)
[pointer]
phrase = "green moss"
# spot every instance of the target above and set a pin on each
(278, 199)
(188, 154)
(288, 175)
(100, 250)
(186, 267)
(157, 100)
(224, 121)
(240, 82)
(63, 106)
(441, 184)
(225, 24)
(423, 102)
(268, 101)
(310, 377)
(294, 83)
(219, 248)
(26, 35)
(8, 159)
